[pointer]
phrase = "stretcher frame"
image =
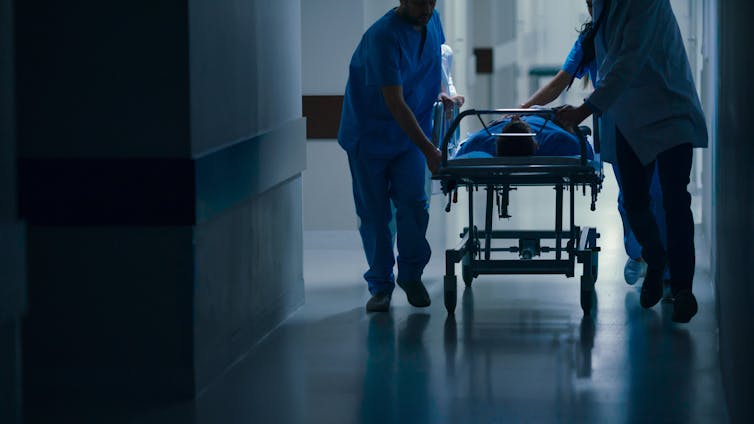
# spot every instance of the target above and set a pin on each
(498, 176)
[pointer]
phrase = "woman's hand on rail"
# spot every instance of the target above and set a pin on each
(570, 117)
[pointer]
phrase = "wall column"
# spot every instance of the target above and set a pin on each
(734, 199)
(12, 278)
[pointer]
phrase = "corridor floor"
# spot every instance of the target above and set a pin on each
(517, 350)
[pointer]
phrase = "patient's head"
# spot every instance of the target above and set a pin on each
(516, 145)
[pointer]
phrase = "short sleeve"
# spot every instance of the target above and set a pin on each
(382, 61)
(571, 65)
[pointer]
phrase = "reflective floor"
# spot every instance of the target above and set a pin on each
(517, 350)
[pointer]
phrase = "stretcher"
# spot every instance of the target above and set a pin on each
(497, 176)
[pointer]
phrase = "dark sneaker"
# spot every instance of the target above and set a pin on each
(651, 289)
(684, 307)
(415, 293)
(379, 302)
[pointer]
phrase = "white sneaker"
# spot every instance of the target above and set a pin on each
(634, 270)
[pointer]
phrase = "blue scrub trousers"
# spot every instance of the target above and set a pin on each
(632, 246)
(377, 181)
(673, 168)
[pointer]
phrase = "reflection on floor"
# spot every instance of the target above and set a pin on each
(517, 349)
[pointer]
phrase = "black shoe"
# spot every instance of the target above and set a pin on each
(415, 293)
(379, 302)
(684, 306)
(651, 289)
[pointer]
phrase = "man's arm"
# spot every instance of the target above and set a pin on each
(397, 106)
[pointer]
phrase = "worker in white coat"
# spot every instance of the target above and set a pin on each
(645, 86)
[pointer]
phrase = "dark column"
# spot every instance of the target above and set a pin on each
(163, 204)
(12, 280)
(735, 206)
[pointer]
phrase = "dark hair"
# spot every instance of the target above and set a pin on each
(516, 146)
(585, 27)
(586, 36)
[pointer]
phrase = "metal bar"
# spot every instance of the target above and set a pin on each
(488, 223)
(514, 249)
(573, 218)
(453, 256)
(596, 133)
(539, 266)
(472, 233)
(558, 220)
(516, 234)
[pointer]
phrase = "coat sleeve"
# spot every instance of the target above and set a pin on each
(629, 50)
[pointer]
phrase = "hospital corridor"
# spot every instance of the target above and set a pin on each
(188, 234)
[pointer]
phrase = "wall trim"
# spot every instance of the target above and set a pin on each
(230, 176)
(158, 191)
(484, 60)
(322, 116)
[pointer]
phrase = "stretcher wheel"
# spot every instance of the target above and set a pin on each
(595, 266)
(450, 301)
(450, 293)
(588, 302)
(466, 273)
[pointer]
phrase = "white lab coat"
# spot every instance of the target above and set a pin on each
(644, 81)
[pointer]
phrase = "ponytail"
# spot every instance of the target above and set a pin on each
(587, 33)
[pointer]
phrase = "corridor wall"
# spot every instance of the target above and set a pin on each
(161, 149)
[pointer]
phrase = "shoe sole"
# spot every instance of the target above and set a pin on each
(418, 303)
(380, 309)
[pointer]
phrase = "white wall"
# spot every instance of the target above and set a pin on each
(330, 32)
(331, 29)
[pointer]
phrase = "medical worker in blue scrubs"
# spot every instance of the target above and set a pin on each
(394, 79)
(577, 66)
(646, 88)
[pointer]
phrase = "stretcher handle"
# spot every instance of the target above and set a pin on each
(596, 133)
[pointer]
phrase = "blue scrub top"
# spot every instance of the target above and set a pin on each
(390, 53)
(574, 58)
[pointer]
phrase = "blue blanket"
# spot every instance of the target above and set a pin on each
(552, 140)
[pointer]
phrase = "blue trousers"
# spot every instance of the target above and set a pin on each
(632, 246)
(673, 168)
(377, 181)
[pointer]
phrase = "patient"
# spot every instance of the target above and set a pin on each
(516, 145)
(549, 140)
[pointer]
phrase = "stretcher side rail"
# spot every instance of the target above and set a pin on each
(548, 114)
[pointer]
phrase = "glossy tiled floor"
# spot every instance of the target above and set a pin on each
(517, 349)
